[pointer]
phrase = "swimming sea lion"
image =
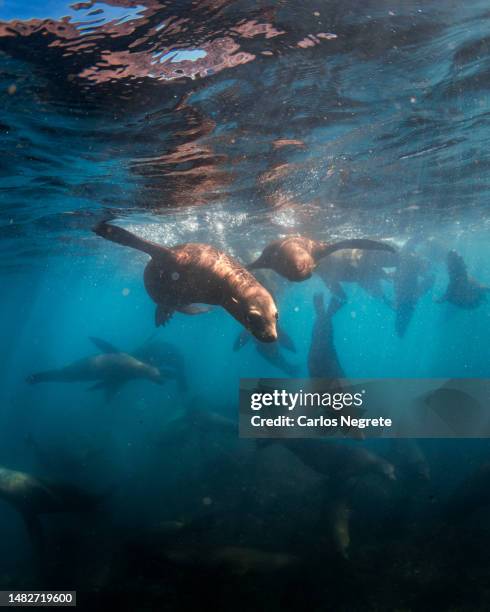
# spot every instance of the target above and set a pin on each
(339, 462)
(366, 268)
(111, 369)
(412, 279)
(463, 290)
(323, 360)
(199, 273)
(296, 257)
(31, 497)
(155, 353)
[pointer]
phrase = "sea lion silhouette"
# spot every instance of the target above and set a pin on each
(462, 290)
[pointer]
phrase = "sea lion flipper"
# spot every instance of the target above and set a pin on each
(319, 303)
(285, 340)
(163, 314)
(241, 340)
(337, 290)
(365, 244)
(194, 309)
(110, 389)
(456, 267)
(334, 306)
(102, 345)
(122, 236)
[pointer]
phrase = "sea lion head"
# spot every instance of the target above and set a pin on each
(297, 263)
(257, 313)
(152, 373)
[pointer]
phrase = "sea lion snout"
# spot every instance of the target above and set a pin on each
(263, 328)
(269, 336)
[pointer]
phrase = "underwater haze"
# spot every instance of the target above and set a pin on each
(236, 123)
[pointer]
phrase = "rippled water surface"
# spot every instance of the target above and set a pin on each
(215, 118)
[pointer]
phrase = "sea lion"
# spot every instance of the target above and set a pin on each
(366, 268)
(111, 369)
(339, 462)
(31, 497)
(196, 420)
(271, 352)
(199, 273)
(296, 257)
(412, 279)
(462, 290)
(323, 360)
(155, 353)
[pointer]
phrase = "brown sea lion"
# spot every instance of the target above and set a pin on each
(177, 277)
(32, 497)
(366, 268)
(109, 371)
(296, 257)
(463, 290)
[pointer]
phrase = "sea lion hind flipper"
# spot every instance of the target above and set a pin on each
(364, 244)
(102, 345)
(334, 306)
(163, 314)
(125, 238)
(318, 303)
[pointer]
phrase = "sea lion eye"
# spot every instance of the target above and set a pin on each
(254, 316)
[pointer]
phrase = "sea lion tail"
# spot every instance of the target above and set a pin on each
(122, 236)
(354, 243)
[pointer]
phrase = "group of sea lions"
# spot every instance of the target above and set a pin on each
(177, 278)
(185, 277)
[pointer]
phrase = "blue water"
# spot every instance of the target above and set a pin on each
(235, 124)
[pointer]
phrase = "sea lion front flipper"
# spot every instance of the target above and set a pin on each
(364, 244)
(194, 309)
(102, 345)
(122, 236)
(163, 314)
(110, 389)
(285, 340)
(241, 340)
